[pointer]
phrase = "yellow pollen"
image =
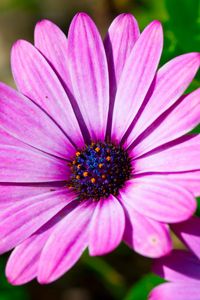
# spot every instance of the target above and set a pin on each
(78, 153)
(74, 162)
(85, 174)
(103, 176)
(108, 158)
(78, 166)
(97, 149)
(100, 166)
(77, 177)
(93, 180)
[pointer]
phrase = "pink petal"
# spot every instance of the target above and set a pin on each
(136, 78)
(66, 243)
(178, 266)
(181, 291)
(182, 156)
(23, 262)
(16, 191)
(89, 74)
(19, 164)
(121, 37)
(170, 83)
(21, 220)
(191, 180)
(146, 236)
(37, 80)
(106, 227)
(52, 43)
(27, 122)
(189, 233)
(159, 199)
(11, 193)
(9, 140)
(179, 120)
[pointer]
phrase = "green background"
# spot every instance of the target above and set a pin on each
(121, 274)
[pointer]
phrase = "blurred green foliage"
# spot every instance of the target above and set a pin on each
(142, 288)
(184, 21)
(181, 22)
(183, 27)
(111, 279)
(31, 5)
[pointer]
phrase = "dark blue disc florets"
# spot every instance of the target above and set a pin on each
(98, 170)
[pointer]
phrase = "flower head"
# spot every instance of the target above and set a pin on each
(94, 147)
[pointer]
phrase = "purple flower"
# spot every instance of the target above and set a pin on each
(94, 147)
(181, 268)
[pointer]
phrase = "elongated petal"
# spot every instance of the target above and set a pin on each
(52, 42)
(170, 83)
(107, 226)
(189, 233)
(191, 180)
(29, 164)
(183, 156)
(24, 165)
(178, 266)
(66, 243)
(37, 80)
(19, 222)
(136, 78)
(27, 122)
(89, 74)
(121, 37)
(179, 120)
(23, 263)
(159, 199)
(119, 42)
(146, 236)
(11, 193)
(181, 291)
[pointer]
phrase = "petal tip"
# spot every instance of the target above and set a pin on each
(43, 23)
(127, 16)
(99, 252)
(197, 58)
(128, 19)
(156, 26)
(11, 280)
(155, 29)
(18, 43)
(80, 19)
(81, 15)
(42, 281)
(44, 278)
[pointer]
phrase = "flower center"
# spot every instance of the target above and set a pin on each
(98, 170)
